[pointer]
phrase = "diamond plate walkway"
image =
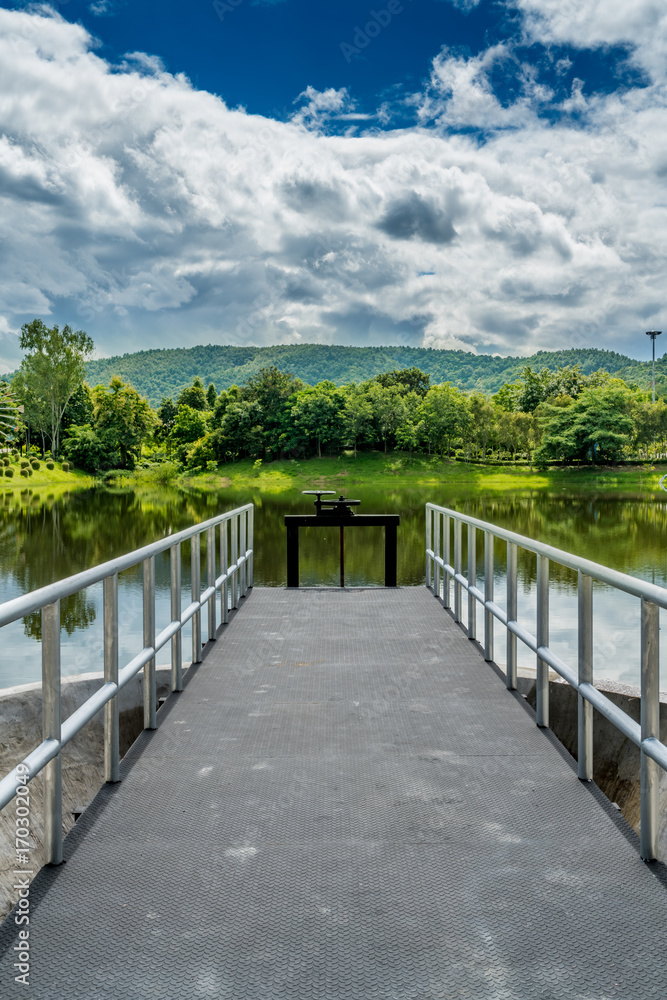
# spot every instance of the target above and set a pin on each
(345, 802)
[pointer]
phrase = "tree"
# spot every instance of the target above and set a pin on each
(406, 379)
(240, 431)
(122, 418)
(596, 426)
(189, 426)
(315, 414)
(9, 414)
(271, 389)
(211, 396)
(445, 414)
(194, 396)
(52, 370)
(89, 450)
(166, 418)
(357, 416)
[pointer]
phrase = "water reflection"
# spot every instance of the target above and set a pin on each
(45, 537)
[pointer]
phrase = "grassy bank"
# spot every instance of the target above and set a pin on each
(377, 469)
(43, 477)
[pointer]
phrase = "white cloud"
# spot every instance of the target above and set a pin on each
(641, 24)
(150, 214)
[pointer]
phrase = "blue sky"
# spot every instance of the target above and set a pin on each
(487, 176)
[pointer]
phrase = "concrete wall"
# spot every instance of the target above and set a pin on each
(83, 757)
(615, 758)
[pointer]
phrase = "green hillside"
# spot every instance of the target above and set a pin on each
(165, 372)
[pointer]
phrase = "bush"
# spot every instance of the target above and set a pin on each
(65, 466)
(211, 466)
(24, 472)
(50, 466)
(35, 465)
(6, 460)
(29, 471)
(24, 463)
(9, 473)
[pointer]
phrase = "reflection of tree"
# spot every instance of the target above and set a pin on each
(45, 540)
(76, 612)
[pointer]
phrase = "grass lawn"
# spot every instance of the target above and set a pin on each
(43, 477)
(377, 469)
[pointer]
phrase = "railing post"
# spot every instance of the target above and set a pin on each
(242, 552)
(430, 514)
(437, 572)
(488, 595)
(585, 715)
(457, 569)
(150, 686)
(472, 581)
(650, 727)
(111, 724)
(210, 566)
(176, 640)
(447, 559)
(512, 611)
(234, 527)
(224, 562)
(195, 554)
(542, 685)
(53, 781)
(251, 546)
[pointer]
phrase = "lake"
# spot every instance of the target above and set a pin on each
(45, 538)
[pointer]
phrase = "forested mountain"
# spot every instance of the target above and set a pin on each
(165, 372)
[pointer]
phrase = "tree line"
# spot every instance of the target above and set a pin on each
(540, 417)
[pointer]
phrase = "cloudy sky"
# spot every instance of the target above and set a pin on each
(484, 175)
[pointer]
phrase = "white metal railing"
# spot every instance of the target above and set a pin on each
(442, 523)
(236, 562)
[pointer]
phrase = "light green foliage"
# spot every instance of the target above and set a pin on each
(316, 415)
(122, 419)
(194, 396)
(51, 371)
(597, 426)
(446, 416)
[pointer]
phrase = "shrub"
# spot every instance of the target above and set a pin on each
(29, 471)
(24, 463)
(35, 464)
(24, 472)
(6, 460)
(65, 466)
(50, 466)
(9, 473)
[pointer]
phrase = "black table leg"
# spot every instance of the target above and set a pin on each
(390, 555)
(292, 555)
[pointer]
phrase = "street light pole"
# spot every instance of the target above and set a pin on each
(653, 334)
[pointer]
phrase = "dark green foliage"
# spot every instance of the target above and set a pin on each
(211, 396)
(9, 472)
(407, 380)
(25, 472)
(65, 467)
(596, 427)
(166, 372)
(194, 396)
(90, 450)
(50, 465)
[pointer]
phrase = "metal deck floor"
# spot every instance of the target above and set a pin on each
(345, 802)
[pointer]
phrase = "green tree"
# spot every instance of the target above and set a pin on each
(406, 379)
(271, 389)
(316, 415)
(89, 450)
(52, 370)
(240, 433)
(357, 416)
(122, 418)
(189, 426)
(194, 396)
(211, 396)
(597, 426)
(165, 420)
(446, 416)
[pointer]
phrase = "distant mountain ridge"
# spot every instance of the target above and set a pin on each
(165, 371)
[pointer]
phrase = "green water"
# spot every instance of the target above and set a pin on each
(43, 539)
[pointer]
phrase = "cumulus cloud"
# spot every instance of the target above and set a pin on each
(151, 214)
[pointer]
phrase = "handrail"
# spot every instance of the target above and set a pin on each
(440, 573)
(236, 558)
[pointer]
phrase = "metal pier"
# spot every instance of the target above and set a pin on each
(345, 802)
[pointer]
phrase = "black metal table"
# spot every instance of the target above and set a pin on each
(387, 521)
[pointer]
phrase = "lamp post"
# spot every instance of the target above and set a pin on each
(653, 334)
